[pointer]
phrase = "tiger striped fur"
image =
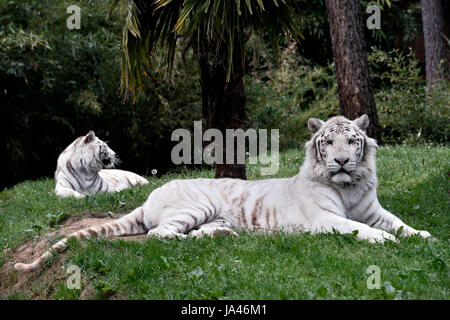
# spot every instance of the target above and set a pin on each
(334, 190)
(80, 169)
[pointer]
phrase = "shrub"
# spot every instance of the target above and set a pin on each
(406, 112)
(287, 96)
(57, 84)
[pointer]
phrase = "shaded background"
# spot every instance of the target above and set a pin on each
(57, 84)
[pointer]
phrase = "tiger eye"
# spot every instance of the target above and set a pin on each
(330, 142)
(350, 141)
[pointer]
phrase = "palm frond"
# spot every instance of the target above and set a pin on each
(213, 23)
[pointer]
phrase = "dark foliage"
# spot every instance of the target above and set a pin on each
(57, 84)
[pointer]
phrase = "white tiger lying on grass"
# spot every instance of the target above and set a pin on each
(335, 189)
(80, 169)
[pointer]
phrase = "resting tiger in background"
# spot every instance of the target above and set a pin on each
(80, 169)
(335, 189)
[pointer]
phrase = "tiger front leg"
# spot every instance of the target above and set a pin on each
(329, 223)
(380, 218)
(67, 192)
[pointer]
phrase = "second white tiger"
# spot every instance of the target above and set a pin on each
(80, 169)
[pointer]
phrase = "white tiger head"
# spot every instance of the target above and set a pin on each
(340, 151)
(95, 153)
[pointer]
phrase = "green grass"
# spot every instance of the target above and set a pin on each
(413, 185)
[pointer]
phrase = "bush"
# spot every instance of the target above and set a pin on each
(406, 112)
(57, 84)
(287, 96)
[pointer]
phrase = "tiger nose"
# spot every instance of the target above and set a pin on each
(341, 161)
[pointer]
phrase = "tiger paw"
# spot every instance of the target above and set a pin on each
(224, 231)
(425, 234)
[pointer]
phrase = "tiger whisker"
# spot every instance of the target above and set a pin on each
(115, 161)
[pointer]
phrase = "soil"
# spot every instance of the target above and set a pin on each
(40, 284)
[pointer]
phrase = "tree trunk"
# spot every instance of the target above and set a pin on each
(352, 70)
(224, 103)
(433, 34)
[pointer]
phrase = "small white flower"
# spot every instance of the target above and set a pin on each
(154, 171)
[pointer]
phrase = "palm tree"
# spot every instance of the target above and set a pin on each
(217, 31)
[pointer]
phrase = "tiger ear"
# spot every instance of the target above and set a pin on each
(314, 125)
(89, 137)
(362, 122)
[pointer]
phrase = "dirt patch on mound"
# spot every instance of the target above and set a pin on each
(40, 284)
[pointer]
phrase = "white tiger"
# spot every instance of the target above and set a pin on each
(335, 189)
(80, 170)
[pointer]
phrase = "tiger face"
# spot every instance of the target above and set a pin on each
(96, 153)
(340, 148)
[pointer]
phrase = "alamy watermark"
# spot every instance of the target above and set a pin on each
(74, 280)
(374, 280)
(213, 153)
(74, 20)
(374, 21)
